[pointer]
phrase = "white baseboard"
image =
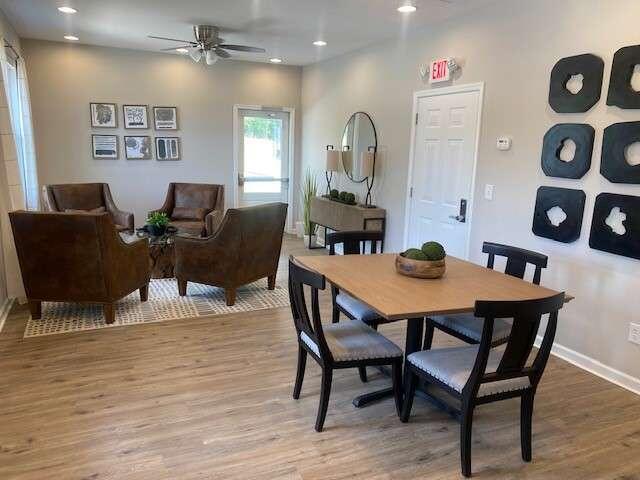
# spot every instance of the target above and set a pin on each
(5, 308)
(595, 367)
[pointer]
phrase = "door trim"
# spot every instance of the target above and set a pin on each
(471, 87)
(236, 153)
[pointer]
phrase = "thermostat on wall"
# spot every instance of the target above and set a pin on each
(504, 143)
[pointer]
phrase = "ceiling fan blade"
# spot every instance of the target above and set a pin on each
(222, 53)
(242, 48)
(175, 48)
(172, 39)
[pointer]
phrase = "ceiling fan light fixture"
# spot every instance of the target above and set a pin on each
(210, 57)
(275, 60)
(320, 43)
(195, 54)
(68, 10)
(71, 38)
(407, 8)
(183, 51)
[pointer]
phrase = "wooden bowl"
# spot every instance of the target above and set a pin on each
(420, 268)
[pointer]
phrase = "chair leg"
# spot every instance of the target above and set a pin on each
(302, 363)
(182, 287)
(230, 296)
(428, 334)
(410, 383)
(325, 392)
(526, 414)
(396, 378)
(144, 293)
(109, 313)
(35, 307)
(335, 315)
(363, 374)
(466, 424)
(271, 282)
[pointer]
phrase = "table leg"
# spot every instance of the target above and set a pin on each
(413, 343)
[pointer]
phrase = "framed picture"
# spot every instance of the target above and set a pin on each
(104, 147)
(103, 115)
(138, 148)
(165, 118)
(135, 116)
(168, 148)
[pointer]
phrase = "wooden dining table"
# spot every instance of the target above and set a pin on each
(373, 280)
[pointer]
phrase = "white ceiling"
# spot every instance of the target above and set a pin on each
(286, 28)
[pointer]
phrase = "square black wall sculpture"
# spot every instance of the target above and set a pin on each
(562, 100)
(582, 134)
(571, 202)
(621, 94)
(616, 213)
(613, 165)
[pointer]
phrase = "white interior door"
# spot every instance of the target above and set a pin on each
(443, 168)
(263, 156)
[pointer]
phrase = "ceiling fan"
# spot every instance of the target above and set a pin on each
(208, 44)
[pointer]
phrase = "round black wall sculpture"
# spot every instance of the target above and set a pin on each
(603, 237)
(571, 202)
(621, 94)
(613, 165)
(562, 100)
(583, 135)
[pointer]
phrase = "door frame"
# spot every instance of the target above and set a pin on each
(236, 154)
(471, 87)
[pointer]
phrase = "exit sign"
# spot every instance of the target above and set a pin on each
(439, 70)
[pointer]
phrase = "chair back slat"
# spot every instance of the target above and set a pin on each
(517, 259)
(355, 242)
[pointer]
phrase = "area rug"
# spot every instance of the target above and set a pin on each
(164, 304)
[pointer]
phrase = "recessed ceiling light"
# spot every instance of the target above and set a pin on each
(69, 10)
(183, 51)
(73, 38)
(319, 43)
(407, 9)
(275, 60)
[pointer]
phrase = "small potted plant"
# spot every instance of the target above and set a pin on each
(308, 191)
(425, 262)
(157, 223)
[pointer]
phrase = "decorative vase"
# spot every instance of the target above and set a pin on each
(420, 268)
(157, 230)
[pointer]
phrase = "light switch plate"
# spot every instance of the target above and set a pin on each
(488, 192)
(634, 333)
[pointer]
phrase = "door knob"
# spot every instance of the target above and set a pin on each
(462, 216)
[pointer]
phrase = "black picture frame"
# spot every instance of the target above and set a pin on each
(621, 94)
(571, 202)
(116, 155)
(583, 135)
(161, 153)
(127, 125)
(93, 115)
(613, 164)
(603, 237)
(562, 100)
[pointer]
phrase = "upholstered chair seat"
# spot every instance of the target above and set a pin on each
(355, 340)
(356, 308)
(470, 327)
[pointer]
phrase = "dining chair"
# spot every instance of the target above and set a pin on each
(338, 345)
(478, 374)
(354, 243)
(464, 326)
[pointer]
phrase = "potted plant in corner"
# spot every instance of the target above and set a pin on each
(309, 190)
(157, 223)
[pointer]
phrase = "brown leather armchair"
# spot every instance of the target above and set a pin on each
(194, 208)
(85, 197)
(75, 257)
(245, 248)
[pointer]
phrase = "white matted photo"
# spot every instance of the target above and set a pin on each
(168, 148)
(104, 147)
(138, 148)
(135, 116)
(165, 118)
(103, 115)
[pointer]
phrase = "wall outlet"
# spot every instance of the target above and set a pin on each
(488, 192)
(634, 333)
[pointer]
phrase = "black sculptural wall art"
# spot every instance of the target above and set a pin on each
(553, 164)
(567, 208)
(621, 92)
(591, 68)
(615, 227)
(615, 144)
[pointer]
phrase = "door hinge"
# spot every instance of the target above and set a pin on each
(416, 118)
(410, 192)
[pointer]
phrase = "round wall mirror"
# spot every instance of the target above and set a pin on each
(359, 145)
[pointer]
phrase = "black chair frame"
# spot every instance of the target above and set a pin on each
(299, 277)
(526, 317)
(517, 261)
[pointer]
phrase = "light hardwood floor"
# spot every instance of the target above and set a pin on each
(210, 398)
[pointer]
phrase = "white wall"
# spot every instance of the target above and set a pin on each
(512, 47)
(65, 78)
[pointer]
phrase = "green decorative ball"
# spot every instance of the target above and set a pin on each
(334, 193)
(415, 254)
(343, 196)
(351, 198)
(433, 251)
